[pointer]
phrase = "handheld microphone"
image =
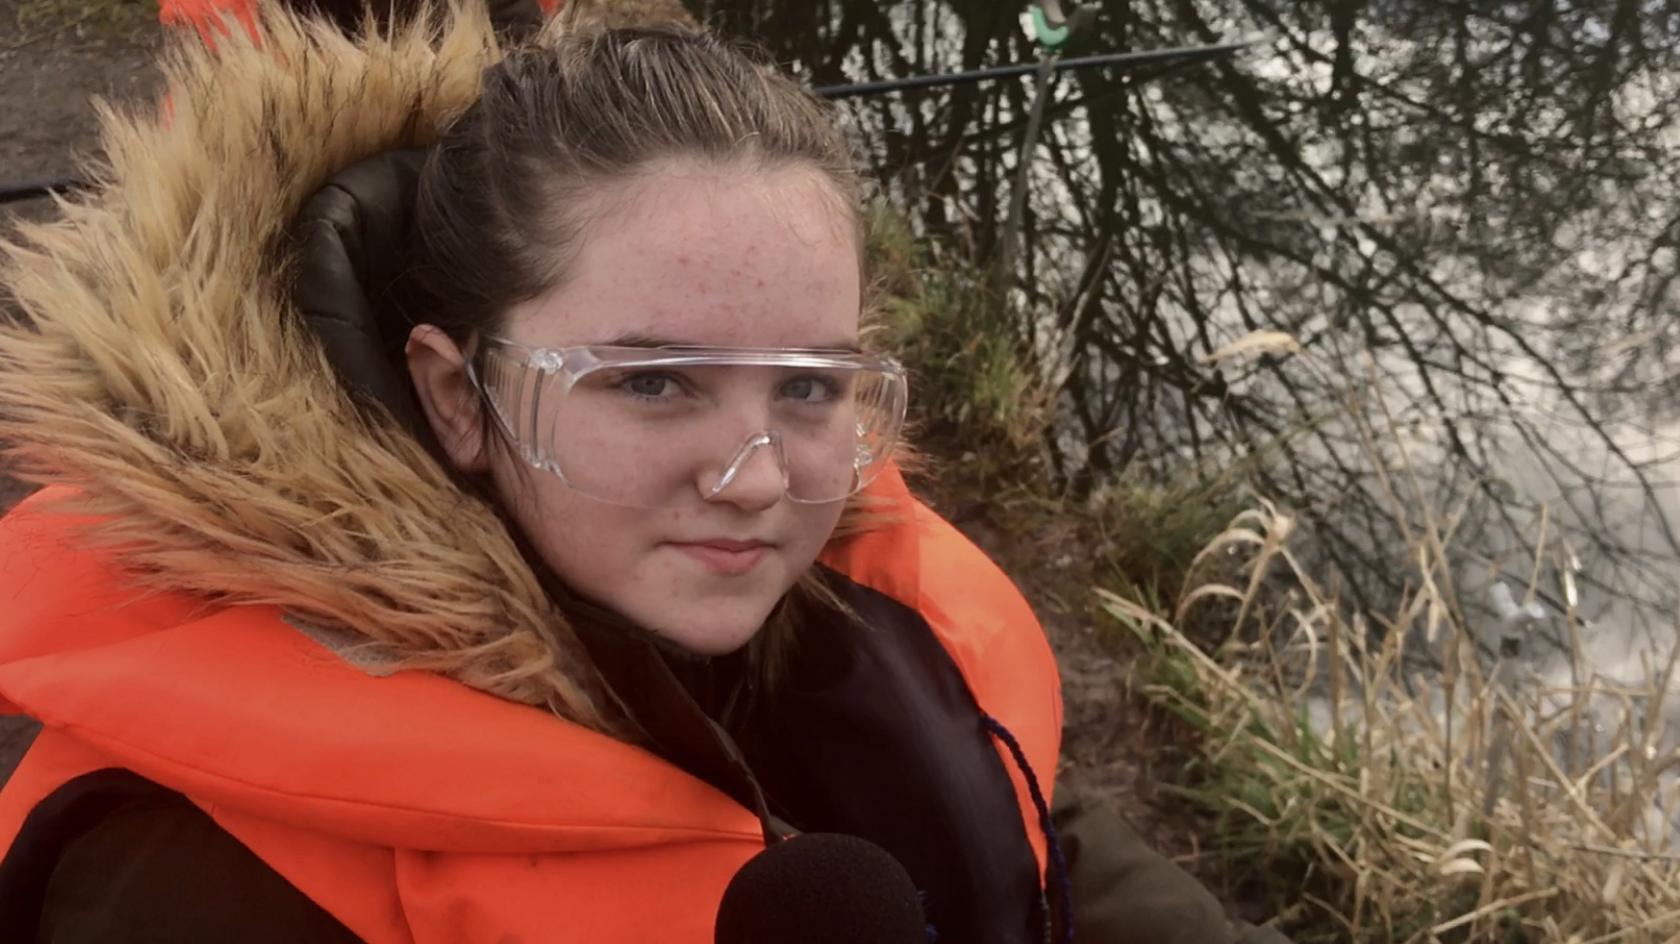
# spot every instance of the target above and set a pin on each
(818, 888)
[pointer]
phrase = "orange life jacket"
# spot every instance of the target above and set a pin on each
(208, 16)
(411, 807)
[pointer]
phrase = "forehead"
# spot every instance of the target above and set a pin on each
(698, 254)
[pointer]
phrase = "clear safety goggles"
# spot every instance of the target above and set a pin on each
(637, 426)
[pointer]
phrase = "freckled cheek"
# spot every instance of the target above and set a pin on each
(816, 526)
(585, 541)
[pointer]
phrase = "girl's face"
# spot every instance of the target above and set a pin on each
(692, 254)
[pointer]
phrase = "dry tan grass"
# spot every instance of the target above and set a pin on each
(1444, 805)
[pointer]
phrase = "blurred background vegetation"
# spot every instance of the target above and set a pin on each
(1347, 367)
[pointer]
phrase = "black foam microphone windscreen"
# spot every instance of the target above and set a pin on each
(819, 888)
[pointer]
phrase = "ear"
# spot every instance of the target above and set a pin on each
(439, 369)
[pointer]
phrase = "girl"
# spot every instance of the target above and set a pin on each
(472, 516)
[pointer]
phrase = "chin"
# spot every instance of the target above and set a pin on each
(720, 635)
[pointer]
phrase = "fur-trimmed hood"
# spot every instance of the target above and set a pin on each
(153, 360)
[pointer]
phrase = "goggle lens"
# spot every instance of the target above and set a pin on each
(639, 428)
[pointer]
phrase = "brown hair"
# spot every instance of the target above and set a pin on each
(510, 189)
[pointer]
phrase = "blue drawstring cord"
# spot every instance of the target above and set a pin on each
(1058, 864)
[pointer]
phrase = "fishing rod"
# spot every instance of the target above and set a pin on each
(18, 191)
(1173, 54)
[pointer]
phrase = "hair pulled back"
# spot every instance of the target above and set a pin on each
(506, 197)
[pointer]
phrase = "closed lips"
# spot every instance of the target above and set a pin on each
(724, 556)
(724, 544)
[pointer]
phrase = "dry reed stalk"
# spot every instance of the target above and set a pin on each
(1463, 820)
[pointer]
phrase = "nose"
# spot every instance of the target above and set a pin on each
(755, 478)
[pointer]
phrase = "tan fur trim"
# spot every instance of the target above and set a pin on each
(155, 361)
(157, 364)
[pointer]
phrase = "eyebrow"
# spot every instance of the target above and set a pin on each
(649, 341)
